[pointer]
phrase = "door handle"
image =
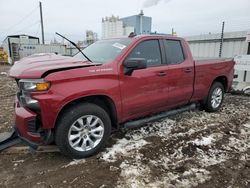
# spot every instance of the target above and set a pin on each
(187, 70)
(161, 73)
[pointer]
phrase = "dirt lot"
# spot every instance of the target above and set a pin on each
(194, 149)
(8, 89)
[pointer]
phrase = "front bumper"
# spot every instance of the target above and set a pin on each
(31, 144)
(25, 123)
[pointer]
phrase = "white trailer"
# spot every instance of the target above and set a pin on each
(242, 69)
(29, 49)
(19, 46)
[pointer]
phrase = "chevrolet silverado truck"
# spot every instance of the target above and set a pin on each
(75, 102)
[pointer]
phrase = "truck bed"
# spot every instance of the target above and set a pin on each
(212, 67)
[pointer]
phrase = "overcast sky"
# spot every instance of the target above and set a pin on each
(74, 17)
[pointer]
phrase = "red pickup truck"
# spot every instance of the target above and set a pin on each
(77, 102)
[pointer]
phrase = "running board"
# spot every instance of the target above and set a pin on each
(140, 122)
(9, 139)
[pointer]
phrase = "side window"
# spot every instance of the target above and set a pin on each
(149, 50)
(174, 52)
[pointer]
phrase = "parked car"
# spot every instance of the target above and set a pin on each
(76, 102)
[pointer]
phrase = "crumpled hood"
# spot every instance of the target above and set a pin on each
(37, 65)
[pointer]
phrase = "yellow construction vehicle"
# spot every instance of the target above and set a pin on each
(3, 56)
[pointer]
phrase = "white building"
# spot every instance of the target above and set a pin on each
(208, 45)
(113, 27)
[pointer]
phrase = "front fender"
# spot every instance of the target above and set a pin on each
(64, 92)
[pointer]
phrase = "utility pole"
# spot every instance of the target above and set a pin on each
(221, 39)
(248, 42)
(41, 18)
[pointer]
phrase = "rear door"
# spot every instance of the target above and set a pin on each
(144, 91)
(180, 73)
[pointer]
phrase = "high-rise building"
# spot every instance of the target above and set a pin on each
(112, 27)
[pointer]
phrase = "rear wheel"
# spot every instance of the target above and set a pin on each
(82, 130)
(246, 91)
(215, 97)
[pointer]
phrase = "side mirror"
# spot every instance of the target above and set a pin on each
(134, 64)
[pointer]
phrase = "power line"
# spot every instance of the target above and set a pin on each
(37, 31)
(21, 20)
(28, 26)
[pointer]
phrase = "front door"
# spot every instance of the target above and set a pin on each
(144, 91)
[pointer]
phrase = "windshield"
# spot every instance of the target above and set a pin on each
(104, 51)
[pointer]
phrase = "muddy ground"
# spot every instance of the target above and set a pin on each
(194, 149)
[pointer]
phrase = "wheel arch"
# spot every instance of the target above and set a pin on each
(103, 101)
(223, 80)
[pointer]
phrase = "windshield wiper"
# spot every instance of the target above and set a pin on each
(74, 44)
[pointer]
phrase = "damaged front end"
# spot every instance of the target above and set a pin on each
(28, 127)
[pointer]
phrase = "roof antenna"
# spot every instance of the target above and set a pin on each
(132, 34)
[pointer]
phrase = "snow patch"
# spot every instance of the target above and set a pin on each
(134, 175)
(134, 140)
(204, 141)
(238, 144)
(74, 162)
(211, 157)
(18, 161)
(192, 177)
(247, 125)
(241, 142)
(3, 73)
(138, 175)
(122, 147)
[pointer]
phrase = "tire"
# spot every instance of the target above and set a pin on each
(246, 91)
(215, 97)
(82, 130)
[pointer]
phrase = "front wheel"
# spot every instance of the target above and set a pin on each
(82, 130)
(215, 97)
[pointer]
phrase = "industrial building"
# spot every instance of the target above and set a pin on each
(233, 43)
(91, 37)
(19, 46)
(117, 27)
(141, 24)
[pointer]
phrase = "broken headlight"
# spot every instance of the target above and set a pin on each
(33, 85)
(27, 86)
